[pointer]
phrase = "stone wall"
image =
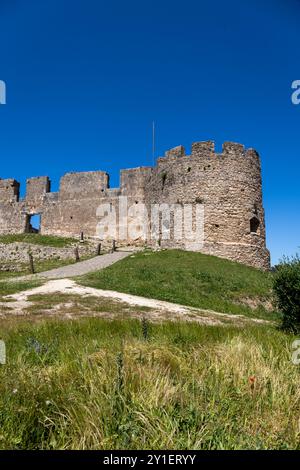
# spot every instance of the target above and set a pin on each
(17, 252)
(227, 184)
(230, 188)
(36, 190)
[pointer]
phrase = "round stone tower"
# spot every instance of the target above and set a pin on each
(228, 185)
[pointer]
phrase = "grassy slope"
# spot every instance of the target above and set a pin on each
(188, 278)
(94, 384)
(9, 287)
(36, 239)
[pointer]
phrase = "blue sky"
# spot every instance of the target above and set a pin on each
(86, 78)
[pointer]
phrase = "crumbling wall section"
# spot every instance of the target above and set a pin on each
(9, 191)
(36, 190)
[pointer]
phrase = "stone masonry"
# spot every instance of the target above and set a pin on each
(228, 184)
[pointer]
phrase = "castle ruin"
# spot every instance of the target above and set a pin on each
(228, 184)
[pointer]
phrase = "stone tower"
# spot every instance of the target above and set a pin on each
(229, 186)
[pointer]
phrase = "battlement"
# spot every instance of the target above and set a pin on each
(200, 149)
(228, 184)
(175, 152)
(133, 181)
(233, 148)
(83, 185)
(37, 187)
(206, 150)
(9, 190)
(96, 183)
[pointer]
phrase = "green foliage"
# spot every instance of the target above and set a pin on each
(96, 384)
(287, 292)
(192, 279)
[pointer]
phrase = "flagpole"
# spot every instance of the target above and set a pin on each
(153, 143)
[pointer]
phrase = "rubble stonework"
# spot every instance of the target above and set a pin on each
(228, 184)
(17, 252)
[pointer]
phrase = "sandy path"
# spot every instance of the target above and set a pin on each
(20, 301)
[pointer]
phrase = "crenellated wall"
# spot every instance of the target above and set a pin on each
(230, 187)
(228, 184)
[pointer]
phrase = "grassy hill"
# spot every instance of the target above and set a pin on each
(190, 279)
(121, 383)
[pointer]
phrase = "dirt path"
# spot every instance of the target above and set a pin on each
(77, 269)
(20, 301)
(85, 267)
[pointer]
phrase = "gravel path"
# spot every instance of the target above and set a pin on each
(84, 267)
(76, 269)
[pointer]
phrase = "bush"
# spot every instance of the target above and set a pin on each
(286, 288)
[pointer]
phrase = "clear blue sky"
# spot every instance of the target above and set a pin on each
(85, 79)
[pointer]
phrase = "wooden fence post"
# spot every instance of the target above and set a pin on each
(31, 263)
(76, 253)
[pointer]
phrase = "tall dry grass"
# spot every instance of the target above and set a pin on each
(99, 384)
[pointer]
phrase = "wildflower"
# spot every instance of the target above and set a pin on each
(252, 381)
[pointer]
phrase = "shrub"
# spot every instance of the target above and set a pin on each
(286, 288)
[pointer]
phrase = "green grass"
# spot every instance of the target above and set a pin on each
(11, 287)
(190, 279)
(37, 239)
(46, 265)
(77, 305)
(98, 384)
